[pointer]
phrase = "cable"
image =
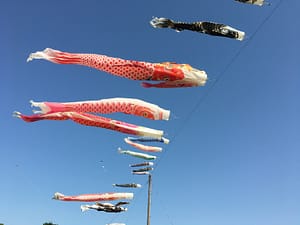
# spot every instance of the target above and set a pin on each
(220, 76)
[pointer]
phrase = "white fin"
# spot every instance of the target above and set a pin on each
(58, 195)
(84, 208)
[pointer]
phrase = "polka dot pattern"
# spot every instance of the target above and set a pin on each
(126, 106)
(130, 69)
(97, 121)
(90, 120)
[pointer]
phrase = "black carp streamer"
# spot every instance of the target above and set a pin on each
(211, 28)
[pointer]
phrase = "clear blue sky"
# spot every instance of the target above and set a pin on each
(234, 154)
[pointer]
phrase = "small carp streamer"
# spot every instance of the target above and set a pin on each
(111, 105)
(115, 224)
(80, 112)
(172, 75)
(142, 147)
(137, 154)
(254, 2)
(132, 185)
(142, 170)
(149, 139)
(105, 207)
(93, 197)
(142, 164)
(211, 28)
(141, 173)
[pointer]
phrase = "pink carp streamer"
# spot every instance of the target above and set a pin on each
(93, 197)
(95, 121)
(142, 147)
(172, 74)
(125, 105)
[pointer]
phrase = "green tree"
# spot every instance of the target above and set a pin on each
(49, 223)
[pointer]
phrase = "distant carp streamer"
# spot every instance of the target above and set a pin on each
(142, 164)
(142, 147)
(211, 28)
(142, 170)
(137, 154)
(149, 139)
(172, 75)
(131, 185)
(105, 207)
(93, 197)
(254, 2)
(81, 112)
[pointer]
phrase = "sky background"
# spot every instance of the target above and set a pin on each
(234, 153)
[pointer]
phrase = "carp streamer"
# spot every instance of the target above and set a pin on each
(171, 74)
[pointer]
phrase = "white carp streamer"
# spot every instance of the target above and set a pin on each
(137, 154)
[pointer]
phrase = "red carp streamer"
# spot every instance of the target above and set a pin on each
(93, 197)
(81, 112)
(124, 105)
(172, 74)
(95, 121)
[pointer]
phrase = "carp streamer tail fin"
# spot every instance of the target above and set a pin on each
(58, 196)
(84, 208)
(55, 56)
(161, 22)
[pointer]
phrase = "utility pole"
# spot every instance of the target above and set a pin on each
(149, 198)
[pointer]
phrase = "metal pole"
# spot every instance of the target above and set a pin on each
(149, 198)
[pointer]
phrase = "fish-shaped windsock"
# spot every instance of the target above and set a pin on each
(169, 75)
(137, 154)
(93, 197)
(105, 207)
(146, 148)
(82, 112)
(141, 173)
(211, 28)
(149, 139)
(143, 169)
(130, 106)
(131, 185)
(115, 224)
(254, 2)
(88, 119)
(142, 164)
